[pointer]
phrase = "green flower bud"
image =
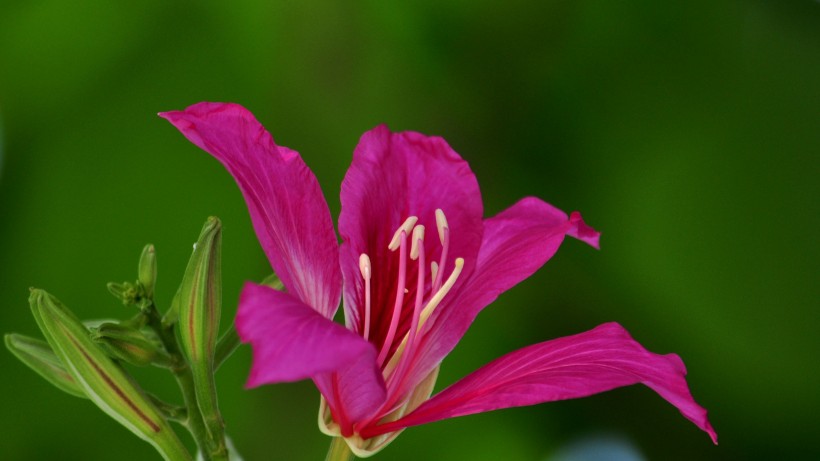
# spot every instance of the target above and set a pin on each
(129, 293)
(148, 270)
(102, 380)
(130, 345)
(199, 310)
(38, 356)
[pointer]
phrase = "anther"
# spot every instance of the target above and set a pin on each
(441, 224)
(405, 227)
(366, 269)
(433, 271)
(418, 236)
(364, 266)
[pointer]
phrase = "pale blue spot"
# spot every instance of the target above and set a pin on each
(598, 448)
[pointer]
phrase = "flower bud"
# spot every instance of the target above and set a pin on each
(38, 356)
(199, 309)
(129, 293)
(130, 345)
(102, 380)
(148, 270)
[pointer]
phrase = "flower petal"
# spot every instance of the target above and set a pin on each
(516, 243)
(290, 340)
(353, 392)
(289, 213)
(394, 176)
(575, 366)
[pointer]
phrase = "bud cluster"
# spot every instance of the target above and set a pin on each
(88, 359)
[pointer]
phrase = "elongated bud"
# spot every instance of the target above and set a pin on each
(200, 299)
(101, 379)
(38, 356)
(130, 345)
(148, 270)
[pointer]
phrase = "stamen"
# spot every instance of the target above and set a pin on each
(445, 248)
(409, 338)
(418, 237)
(395, 376)
(366, 269)
(405, 227)
(433, 272)
(417, 308)
(394, 321)
(440, 294)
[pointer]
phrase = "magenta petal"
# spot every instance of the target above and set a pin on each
(394, 176)
(516, 243)
(575, 366)
(289, 213)
(353, 392)
(290, 340)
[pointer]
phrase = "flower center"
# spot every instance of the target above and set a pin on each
(422, 308)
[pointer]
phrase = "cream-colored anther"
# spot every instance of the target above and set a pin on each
(441, 293)
(418, 234)
(433, 271)
(364, 266)
(441, 224)
(405, 227)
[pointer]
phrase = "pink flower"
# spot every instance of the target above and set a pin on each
(418, 262)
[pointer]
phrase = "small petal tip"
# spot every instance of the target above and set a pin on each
(580, 230)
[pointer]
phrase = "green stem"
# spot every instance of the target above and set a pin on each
(194, 421)
(182, 372)
(226, 346)
(339, 451)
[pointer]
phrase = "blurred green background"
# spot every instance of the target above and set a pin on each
(688, 132)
